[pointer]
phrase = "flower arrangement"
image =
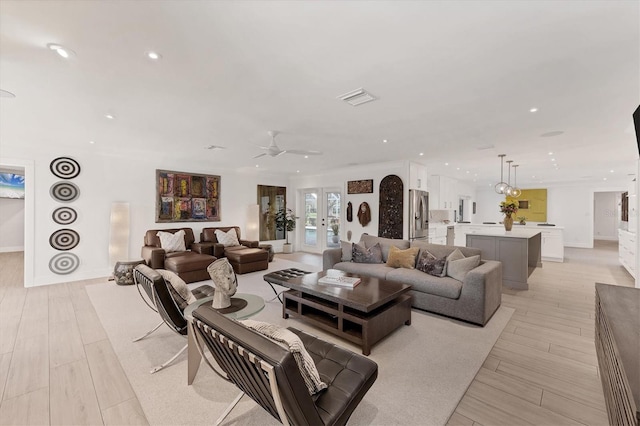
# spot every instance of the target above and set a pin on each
(508, 207)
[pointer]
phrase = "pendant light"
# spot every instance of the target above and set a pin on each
(515, 191)
(509, 188)
(501, 186)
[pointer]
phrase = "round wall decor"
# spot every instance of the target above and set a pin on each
(64, 239)
(65, 167)
(64, 215)
(64, 263)
(65, 192)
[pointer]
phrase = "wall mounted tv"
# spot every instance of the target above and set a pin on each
(11, 185)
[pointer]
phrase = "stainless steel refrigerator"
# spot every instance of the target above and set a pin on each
(418, 214)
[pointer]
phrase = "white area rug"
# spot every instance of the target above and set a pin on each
(424, 368)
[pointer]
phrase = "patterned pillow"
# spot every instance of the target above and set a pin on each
(227, 239)
(430, 264)
(346, 251)
(172, 242)
(360, 254)
(178, 288)
(402, 258)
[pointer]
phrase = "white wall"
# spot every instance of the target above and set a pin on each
(339, 177)
(606, 216)
(11, 224)
(108, 178)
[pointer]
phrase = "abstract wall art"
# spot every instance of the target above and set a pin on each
(187, 197)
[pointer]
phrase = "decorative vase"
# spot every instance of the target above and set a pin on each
(508, 223)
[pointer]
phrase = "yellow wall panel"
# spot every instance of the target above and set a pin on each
(533, 205)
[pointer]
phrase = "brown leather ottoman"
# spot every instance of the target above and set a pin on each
(191, 267)
(247, 259)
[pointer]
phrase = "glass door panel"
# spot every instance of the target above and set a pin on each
(333, 211)
(310, 238)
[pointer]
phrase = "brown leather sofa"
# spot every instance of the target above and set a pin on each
(247, 257)
(190, 265)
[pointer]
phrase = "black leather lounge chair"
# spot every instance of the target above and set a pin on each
(268, 373)
(162, 298)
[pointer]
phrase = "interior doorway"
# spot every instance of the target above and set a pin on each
(321, 219)
(608, 215)
(24, 235)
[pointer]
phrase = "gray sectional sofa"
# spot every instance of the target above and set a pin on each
(475, 299)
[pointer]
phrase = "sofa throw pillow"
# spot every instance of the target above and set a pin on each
(361, 254)
(402, 258)
(172, 242)
(430, 264)
(227, 239)
(454, 255)
(289, 340)
(458, 269)
(181, 293)
(346, 251)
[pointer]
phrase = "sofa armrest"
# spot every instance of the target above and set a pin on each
(202, 248)
(485, 282)
(251, 244)
(153, 256)
(218, 250)
(330, 257)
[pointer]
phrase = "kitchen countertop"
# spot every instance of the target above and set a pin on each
(515, 233)
(515, 225)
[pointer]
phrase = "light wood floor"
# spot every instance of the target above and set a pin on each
(58, 367)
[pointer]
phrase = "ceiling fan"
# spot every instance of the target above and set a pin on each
(274, 150)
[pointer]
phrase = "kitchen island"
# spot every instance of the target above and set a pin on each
(518, 250)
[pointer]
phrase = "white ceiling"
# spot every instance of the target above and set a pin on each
(451, 77)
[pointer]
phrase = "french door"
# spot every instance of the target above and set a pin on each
(322, 218)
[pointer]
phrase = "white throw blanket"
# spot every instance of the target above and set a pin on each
(293, 343)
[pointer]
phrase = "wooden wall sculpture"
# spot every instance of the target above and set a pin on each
(390, 222)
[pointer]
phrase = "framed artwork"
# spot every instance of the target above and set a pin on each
(360, 186)
(187, 197)
(11, 185)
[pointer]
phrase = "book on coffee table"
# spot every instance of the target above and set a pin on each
(336, 277)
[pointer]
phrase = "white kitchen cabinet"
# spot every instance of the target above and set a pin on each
(418, 176)
(627, 251)
(552, 245)
(438, 240)
(443, 193)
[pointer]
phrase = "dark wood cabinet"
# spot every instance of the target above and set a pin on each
(618, 347)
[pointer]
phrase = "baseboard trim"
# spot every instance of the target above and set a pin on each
(578, 245)
(11, 249)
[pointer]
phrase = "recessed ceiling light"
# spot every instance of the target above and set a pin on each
(257, 165)
(611, 171)
(110, 116)
(421, 154)
(5, 94)
(534, 109)
(297, 171)
(533, 177)
(154, 55)
(604, 178)
(384, 141)
(306, 156)
(550, 153)
(91, 142)
(553, 159)
(467, 171)
(457, 168)
(61, 50)
(446, 164)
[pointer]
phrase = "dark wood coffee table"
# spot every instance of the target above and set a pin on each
(363, 314)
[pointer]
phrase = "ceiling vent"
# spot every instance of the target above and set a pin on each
(357, 97)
